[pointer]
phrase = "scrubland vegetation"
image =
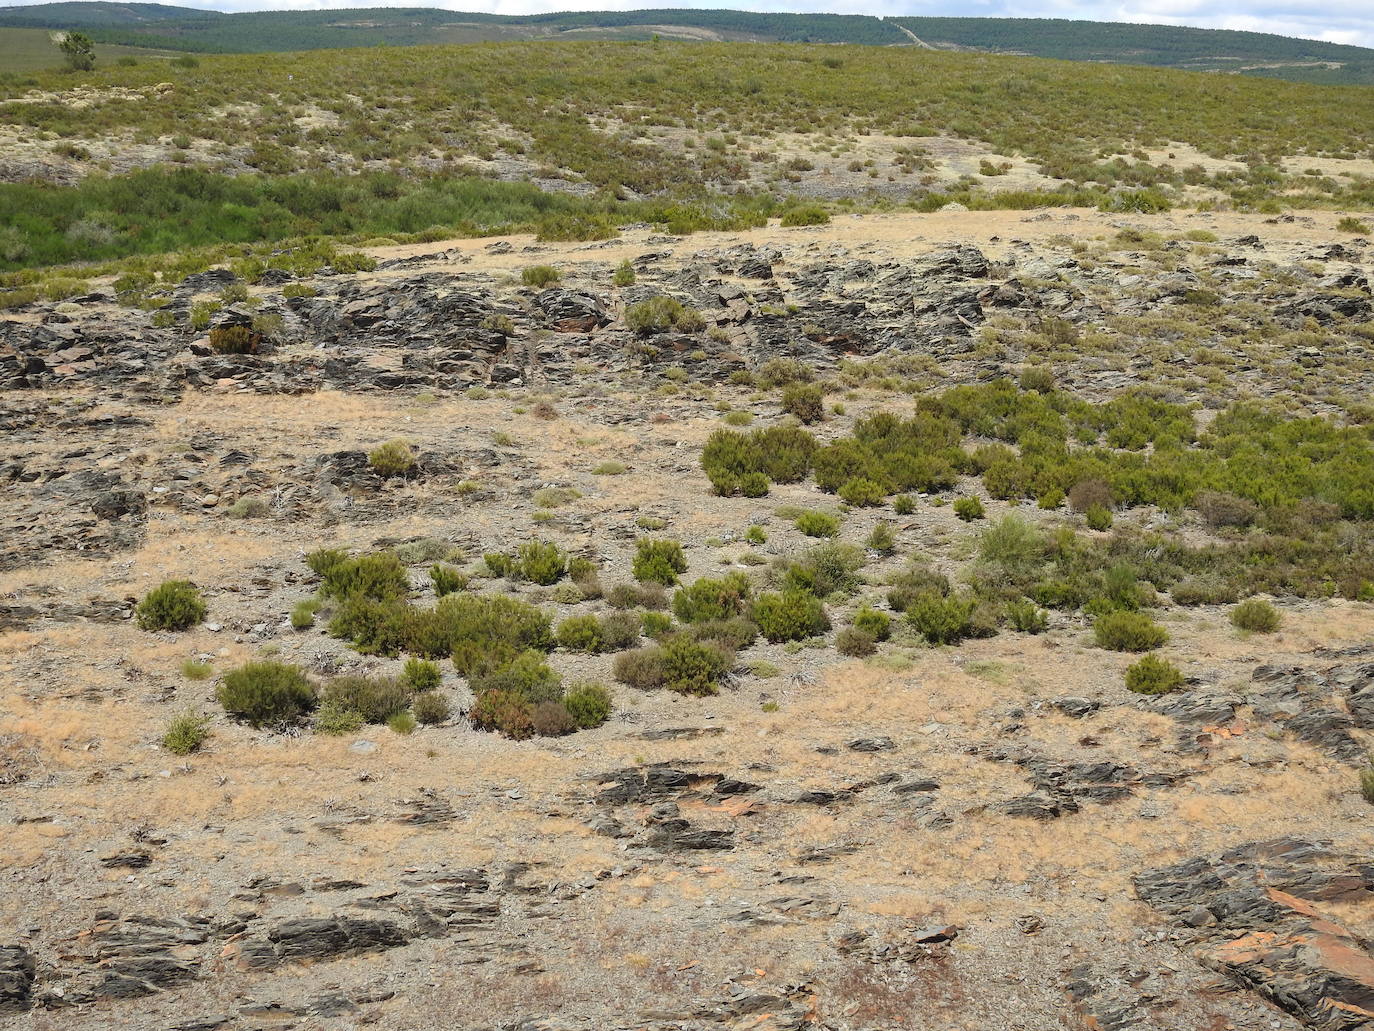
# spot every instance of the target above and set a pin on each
(1288, 502)
(318, 154)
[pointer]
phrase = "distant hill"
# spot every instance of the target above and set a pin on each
(1170, 46)
(1217, 50)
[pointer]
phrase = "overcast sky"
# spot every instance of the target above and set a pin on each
(1348, 22)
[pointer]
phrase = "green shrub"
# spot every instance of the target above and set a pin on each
(968, 509)
(1123, 631)
(907, 586)
(580, 634)
(754, 485)
(581, 568)
(430, 708)
(335, 720)
(659, 314)
(394, 458)
(778, 372)
(783, 454)
(658, 561)
(1203, 590)
(589, 704)
(527, 676)
(610, 468)
(943, 620)
(712, 599)
(185, 733)
(78, 51)
(818, 524)
(402, 723)
(325, 559)
(381, 627)
(247, 507)
(1098, 518)
(378, 577)
(1013, 547)
(1153, 675)
(1367, 783)
(1121, 589)
(235, 340)
(756, 535)
(1255, 615)
(540, 275)
(1051, 500)
(303, 613)
(476, 630)
(693, 667)
(192, 669)
(790, 615)
(375, 699)
(878, 625)
(1038, 378)
(421, 675)
(904, 504)
(624, 274)
(266, 692)
(173, 605)
(540, 562)
(1027, 617)
(824, 569)
(555, 497)
(855, 643)
(734, 633)
(1351, 224)
(805, 401)
(805, 215)
(656, 624)
(862, 492)
(447, 580)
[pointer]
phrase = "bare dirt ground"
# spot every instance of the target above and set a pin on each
(878, 873)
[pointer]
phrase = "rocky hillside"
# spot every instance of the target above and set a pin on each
(562, 724)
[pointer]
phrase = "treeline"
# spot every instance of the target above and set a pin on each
(1166, 45)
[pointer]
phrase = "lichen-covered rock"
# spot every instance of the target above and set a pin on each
(1267, 931)
(17, 974)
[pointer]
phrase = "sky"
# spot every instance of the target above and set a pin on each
(1349, 22)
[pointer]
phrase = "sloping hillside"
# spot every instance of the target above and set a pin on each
(159, 25)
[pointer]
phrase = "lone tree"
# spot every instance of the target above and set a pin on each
(78, 50)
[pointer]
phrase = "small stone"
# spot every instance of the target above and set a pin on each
(363, 746)
(1075, 707)
(1199, 916)
(934, 935)
(872, 744)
